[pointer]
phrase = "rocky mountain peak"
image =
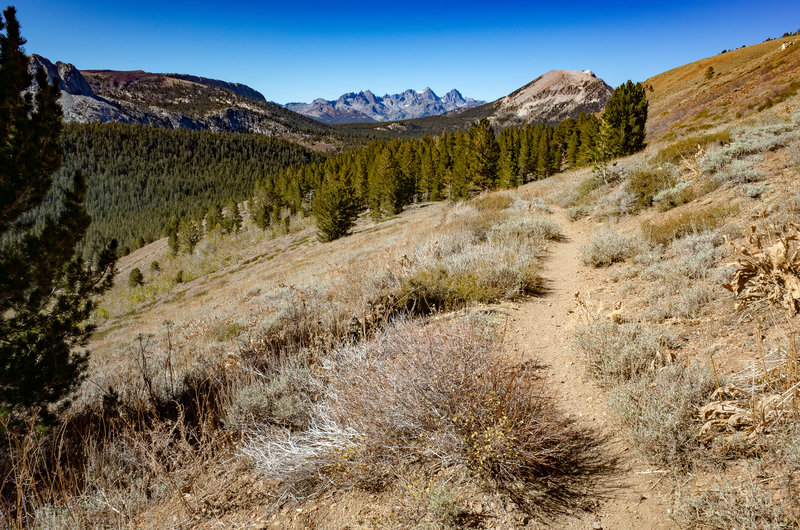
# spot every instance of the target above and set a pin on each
(366, 107)
(68, 77)
(554, 96)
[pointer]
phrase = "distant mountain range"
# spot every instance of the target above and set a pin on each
(366, 107)
(179, 101)
(550, 98)
(173, 101)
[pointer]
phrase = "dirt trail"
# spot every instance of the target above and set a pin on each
(538, 329)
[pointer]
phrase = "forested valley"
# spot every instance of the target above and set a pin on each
(139, 177)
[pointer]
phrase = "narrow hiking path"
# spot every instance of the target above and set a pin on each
(538, 329)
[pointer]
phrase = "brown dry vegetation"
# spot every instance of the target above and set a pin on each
(167, 400)
(298, 384)
(705, 381)
(683, 102)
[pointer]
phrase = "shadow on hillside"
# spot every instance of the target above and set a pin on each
(587, 475)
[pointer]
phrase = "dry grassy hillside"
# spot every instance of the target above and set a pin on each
(693, 328)
(743, 82)
(387, 379)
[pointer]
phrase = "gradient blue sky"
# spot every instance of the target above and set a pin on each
(297, 51)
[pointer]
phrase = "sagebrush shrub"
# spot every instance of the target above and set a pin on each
(436, 394)
(607, 247)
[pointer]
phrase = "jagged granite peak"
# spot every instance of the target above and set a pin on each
(364, 106)
(552, 97)
(174, 101)
(455, 99)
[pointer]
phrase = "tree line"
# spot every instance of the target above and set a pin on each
(385, 176)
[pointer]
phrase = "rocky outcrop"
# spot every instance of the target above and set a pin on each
(359, 107)
(552, 97)
(174, 101)
(237, 88)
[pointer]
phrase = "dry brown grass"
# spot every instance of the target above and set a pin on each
(665, 229)
(103, 467)
(160, 411)
(438, 396)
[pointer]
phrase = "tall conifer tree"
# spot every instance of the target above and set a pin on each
(46, 291)
(626, 116)
(485, 154)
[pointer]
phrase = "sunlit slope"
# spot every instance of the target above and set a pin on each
(741, 82)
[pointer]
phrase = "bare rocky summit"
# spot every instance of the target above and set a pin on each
(552, 97)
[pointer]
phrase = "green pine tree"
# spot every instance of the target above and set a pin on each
(190, 235)
(484, 155)
(135, 278)
(213, 218)
(335, 208)
(626, 116)
(46, 292)
(173, 241)
(387, 193)
(459, 174)
(261, 206)
(232, 218)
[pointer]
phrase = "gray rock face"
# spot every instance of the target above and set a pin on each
(72, 82)
(367, 107)
(172, 101)
(68, 77)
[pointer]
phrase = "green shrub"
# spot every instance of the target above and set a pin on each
(684, 223)
(644, 185)
(135, 278)
(492, 201)
(155, 267)
(678, 195)
(687, 147)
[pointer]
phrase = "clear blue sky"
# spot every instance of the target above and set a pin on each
(297, 51)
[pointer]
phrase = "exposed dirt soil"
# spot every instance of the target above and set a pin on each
(636, 494)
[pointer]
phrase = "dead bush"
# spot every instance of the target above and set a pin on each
(747, 505)
(761, 399)
(768, 270)
(436, 396)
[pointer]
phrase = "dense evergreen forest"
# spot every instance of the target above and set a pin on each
(385, 176)
(139, 177)
(146, 182)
